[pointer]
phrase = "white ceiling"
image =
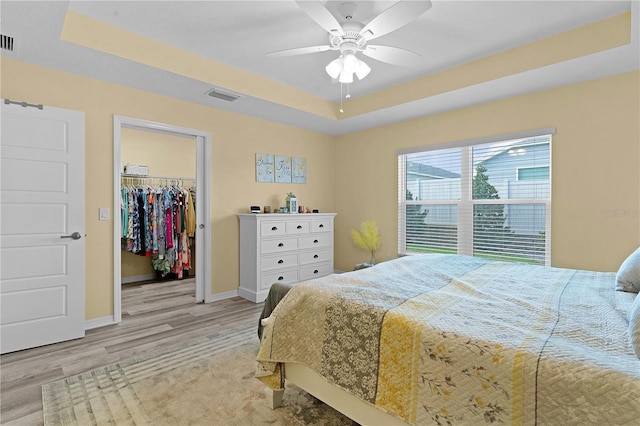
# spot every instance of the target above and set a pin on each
(239, 33)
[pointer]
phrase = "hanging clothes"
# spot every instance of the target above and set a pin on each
(156, 221)
(191, 215)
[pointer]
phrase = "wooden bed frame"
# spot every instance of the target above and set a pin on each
(335, 397)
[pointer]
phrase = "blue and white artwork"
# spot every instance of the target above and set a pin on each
(298, 170)
(264, 168)
(283, 169)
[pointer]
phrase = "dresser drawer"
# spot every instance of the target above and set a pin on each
(287, 260)
(266, 280)
(316, 240)
(315, 256)
(324, 225)
(272, 228)
(277, 245)
(298, 227)
(315, 271)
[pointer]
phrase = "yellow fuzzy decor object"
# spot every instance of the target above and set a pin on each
(368, 238)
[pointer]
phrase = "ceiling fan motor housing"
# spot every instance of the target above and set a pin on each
(348, 47)
(351, 34)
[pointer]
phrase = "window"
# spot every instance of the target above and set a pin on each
(483, 198)
(533, 173)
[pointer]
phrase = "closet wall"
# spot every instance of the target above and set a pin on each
(165, 155)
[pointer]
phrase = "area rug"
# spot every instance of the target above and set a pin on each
(208, 382)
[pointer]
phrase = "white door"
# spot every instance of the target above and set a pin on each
(41, 226)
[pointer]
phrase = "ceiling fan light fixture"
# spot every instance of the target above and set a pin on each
(345, 66)
(362, 70)
(346, 77)
(334, 68)
(350, 62)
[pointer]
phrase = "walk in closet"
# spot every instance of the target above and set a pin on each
(157, 209)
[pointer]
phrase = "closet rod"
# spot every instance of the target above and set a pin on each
(124, 175)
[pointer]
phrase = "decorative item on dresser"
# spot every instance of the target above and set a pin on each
(283, 248)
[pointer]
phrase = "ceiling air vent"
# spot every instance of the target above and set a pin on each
(224, 95)
(6, 42)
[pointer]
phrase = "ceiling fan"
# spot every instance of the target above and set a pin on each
(351, 37)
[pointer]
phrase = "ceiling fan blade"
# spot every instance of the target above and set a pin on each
(392, 55)
(322, 16)
(298, 51)
(394, 17)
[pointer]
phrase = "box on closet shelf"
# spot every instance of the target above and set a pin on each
(136, 169)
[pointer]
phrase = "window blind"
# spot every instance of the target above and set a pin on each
(490, 199)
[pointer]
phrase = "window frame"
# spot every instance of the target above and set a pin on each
(465, 205)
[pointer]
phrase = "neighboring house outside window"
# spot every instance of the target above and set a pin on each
(484, 199)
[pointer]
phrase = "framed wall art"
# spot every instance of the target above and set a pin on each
(283, 169)
(298, 170)
(280, 168)
(264, 168)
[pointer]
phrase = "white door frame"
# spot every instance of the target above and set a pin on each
(203, 206)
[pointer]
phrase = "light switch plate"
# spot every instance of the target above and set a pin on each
(104, 213)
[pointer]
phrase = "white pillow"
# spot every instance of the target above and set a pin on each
(634, 325)
(628, 276)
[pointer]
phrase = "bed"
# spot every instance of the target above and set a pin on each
(447, 339)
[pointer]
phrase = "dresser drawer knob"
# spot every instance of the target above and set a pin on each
(280, 244)
(299, 227)
(321, 225)
(280, 261)
(315, 256)
(315, 241)
(274, 228)
(316, 271)
(280, 278)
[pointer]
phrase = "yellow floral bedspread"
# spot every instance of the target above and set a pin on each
(443, 339)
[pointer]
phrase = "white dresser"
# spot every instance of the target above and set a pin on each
(283, 248)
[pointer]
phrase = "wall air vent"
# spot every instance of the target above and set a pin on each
(224, 95)
(6, 42)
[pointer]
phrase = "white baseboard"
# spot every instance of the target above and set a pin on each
(99, 322)
(137, 278)
(221, 296)
(255, 297)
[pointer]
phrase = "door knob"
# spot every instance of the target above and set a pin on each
(74, 236)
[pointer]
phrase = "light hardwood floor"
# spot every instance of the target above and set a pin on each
(154, 315)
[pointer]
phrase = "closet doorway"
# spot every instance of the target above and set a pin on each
(195, 175)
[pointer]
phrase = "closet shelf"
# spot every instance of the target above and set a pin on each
(125, 175)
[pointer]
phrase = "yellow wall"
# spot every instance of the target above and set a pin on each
(596, 173)
(164, 155)
(595, 166)
(235, 140)
(599, 36)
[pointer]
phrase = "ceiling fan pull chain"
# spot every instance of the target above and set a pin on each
(341, 110)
